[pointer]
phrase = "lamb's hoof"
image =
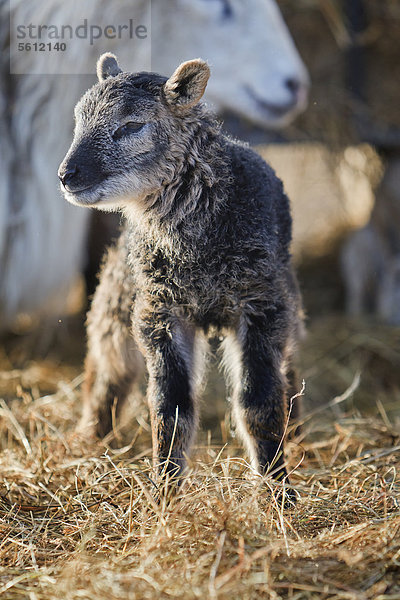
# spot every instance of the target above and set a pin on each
(169, 480)
(286, 497)
(167, 491)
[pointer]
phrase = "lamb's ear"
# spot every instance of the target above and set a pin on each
(186, 86)
(107, 66)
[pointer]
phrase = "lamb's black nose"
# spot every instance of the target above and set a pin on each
(67, 173)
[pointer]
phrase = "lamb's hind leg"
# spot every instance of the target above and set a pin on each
(113, 361)
(254, 357)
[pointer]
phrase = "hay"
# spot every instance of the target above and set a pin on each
(336, 349)
(79, 519)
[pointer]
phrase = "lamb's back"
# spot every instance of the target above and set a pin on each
(258, 205)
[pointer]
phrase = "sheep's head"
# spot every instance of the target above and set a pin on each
(127, 128)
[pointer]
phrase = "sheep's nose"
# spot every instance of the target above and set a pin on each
(298, 89)
(66, 174)
(293, 85)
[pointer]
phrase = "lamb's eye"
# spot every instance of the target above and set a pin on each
(127, 129)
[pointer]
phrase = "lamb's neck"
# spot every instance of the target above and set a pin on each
(194, 194)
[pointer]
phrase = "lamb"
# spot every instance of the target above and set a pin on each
(204, 249)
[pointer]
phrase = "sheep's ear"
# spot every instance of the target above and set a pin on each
(107, 66)
(186, 86)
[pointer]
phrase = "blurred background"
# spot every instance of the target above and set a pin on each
(313, 85)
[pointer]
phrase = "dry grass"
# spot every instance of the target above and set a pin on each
(79, 520)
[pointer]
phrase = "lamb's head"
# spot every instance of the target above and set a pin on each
(127, 126)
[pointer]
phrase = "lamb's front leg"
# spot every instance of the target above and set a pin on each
(254, 356)
(169, 348)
